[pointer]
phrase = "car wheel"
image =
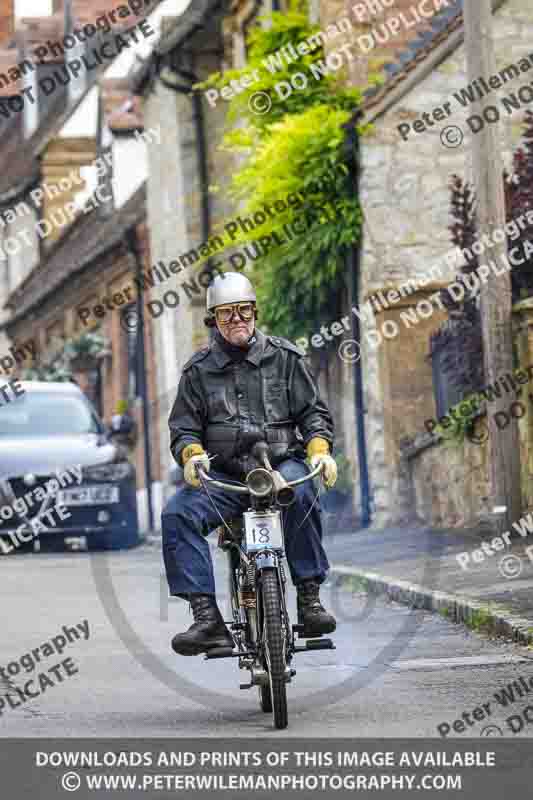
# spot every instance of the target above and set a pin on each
(52, 543)
(98, 541)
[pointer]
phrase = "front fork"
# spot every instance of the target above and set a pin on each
(248, 614)
(275, 560)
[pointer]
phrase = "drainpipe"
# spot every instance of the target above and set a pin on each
(168, 78)
(133, 245)
(353, 264)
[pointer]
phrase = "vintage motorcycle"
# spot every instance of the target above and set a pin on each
(254, 543)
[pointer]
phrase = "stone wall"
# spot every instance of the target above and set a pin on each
(450, 483)
(381, 416)
(405, 197)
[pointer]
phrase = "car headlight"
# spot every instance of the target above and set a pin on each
(116, 471)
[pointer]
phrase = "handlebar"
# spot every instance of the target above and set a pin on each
(244, 489)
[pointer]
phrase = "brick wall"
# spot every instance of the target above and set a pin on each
(7, 12)
(57, 316)
(8, 61)
(84, 11)
(38, 30)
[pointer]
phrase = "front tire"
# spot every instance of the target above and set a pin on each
(274, 646)
(265, 699)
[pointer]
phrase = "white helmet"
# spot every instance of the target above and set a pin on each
(231, 287)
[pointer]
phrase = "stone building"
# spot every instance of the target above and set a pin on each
(417, 51)
(182, 211)
(406, 200)
(206, 37)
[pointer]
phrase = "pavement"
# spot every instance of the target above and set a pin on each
(418, 566)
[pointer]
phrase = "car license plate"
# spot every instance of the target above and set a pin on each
(88, 496)
(263, 531)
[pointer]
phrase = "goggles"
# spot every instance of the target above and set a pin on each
(224, 314)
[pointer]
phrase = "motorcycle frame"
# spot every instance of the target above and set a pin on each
(252, 650)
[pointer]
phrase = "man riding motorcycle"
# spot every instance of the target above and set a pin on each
(242, 388)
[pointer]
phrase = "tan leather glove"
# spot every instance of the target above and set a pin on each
(193, 455)
(318, 452)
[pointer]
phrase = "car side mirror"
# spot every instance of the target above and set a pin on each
(122, 426)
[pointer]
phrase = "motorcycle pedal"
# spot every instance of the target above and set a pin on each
(219, 652)
(320, 644)
(300, 630)
(316, 644)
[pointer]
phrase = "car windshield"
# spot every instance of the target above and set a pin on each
(40, 414)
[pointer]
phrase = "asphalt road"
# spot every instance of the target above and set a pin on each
(395, 672)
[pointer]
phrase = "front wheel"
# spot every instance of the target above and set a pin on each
(265, 699)
(274, 644)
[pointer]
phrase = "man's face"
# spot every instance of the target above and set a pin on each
(237, 331)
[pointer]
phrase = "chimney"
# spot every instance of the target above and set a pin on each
(7, 20)
(36, 32)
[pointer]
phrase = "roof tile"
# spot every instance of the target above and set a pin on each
(421, 45)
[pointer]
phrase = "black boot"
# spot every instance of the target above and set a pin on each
(311, 613)
(207, 631)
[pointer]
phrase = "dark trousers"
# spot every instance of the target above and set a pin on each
(189, 516)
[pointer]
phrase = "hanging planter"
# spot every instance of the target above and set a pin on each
(84, 352)
(80, 354)
(85, 348)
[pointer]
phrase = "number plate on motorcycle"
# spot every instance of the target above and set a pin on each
(263, 531)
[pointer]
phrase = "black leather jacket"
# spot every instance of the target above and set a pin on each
(226, 405)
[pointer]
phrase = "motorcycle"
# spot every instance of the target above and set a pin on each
(261, 627)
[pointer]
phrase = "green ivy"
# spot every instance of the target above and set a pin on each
(296, 149)
(461, 425)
